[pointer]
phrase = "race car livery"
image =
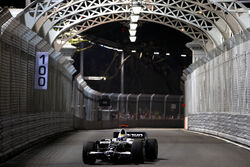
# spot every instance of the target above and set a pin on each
(123, 147)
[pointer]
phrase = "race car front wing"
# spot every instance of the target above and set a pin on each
(110, 155)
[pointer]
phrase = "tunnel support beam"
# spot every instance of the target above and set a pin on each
(82, 60)
(27, 2)
(197, 50)
(68, 51)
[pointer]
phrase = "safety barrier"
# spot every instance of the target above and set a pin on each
(229, 44)
(218, 92)
(95, 110)
(28, 115)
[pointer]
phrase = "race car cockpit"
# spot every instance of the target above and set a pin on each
(122, 135)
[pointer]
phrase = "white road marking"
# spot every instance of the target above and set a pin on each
(220, 138)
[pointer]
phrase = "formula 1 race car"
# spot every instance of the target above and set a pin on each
(123, 147)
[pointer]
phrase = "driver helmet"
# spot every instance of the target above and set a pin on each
(122, 135)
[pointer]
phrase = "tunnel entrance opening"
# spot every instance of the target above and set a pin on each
(151, 50)
(154, 63)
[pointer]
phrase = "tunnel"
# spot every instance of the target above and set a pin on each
(53, 103)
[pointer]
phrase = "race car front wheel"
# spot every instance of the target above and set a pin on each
(88, 147)
(151, 149)
(137, 151)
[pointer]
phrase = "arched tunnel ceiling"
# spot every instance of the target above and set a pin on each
(190, 30)
(204, 20)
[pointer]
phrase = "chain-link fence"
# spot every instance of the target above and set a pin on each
(217, 92)
(26, 114)
(91, 105)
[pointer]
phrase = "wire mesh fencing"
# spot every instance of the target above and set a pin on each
(217, 92)
(26, 114)
(95, 106)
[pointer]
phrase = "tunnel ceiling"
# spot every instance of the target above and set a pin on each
(208, 21)
(151, 38)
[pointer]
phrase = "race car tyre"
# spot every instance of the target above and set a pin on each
(151, 149)
(137, 151)
(86, 158)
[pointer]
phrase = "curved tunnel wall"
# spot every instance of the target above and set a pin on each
(218, 92)
(27, 115)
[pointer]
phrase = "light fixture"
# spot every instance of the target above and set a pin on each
(132, 38)
(134, 18)
(119, 50)
(133, 51)
(108, 47)
(140, 55)
(168, 54)
(95, 78)
(156, 53)
(136, 9)
(133, 26)
(183, 55)
(182, 29)
(132, 32)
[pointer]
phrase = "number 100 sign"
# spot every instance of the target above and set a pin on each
(41, 73)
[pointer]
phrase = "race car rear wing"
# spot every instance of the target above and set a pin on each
(135, 135)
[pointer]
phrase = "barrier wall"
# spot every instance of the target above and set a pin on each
(28, 115)
(218, 92)
(142, 110)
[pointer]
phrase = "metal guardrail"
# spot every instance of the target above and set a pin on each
(124, 107)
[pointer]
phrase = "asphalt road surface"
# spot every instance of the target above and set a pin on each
(177, 148)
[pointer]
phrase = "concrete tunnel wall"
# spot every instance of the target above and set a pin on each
(217, 93)
(28, 115)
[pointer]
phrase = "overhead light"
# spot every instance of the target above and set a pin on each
(109, 47)
(134, 18)
(168, 54)
(140, 55)
(133, 51)
(119, 50)
(183, 55)
(133, 26)
(136, 9)
(156, 53)
(182, 29)
(94, 78)
(132, 32)
(132, 38)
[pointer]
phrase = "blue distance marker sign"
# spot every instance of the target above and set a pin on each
(41, 73)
